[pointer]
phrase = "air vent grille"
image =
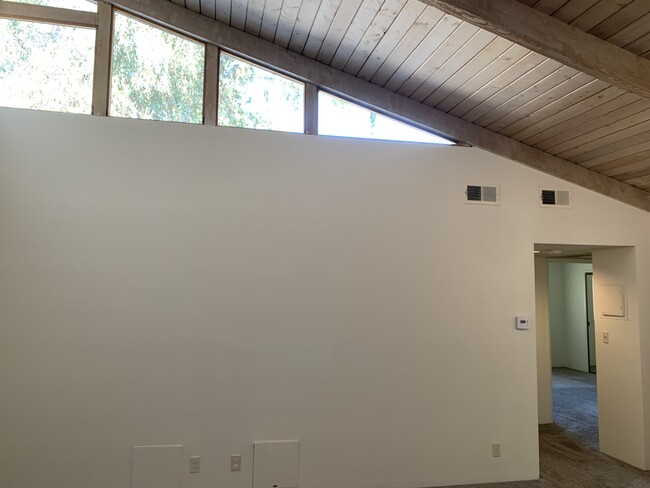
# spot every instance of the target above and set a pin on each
(486, 195)
(489, 194)
(548, 197)
(555, 198)
(474, 193)
(562, 197)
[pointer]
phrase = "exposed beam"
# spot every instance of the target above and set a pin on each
(39, 13)
(210, 84)
(311, 109)
(553, 38)
(310, 71)
(102, 70)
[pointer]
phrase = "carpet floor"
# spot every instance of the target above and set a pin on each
(568, 449)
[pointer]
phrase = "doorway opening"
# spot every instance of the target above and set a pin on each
(597, 421)
(573, 402)
(573, 356)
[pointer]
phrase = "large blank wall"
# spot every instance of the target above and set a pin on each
(173, 284)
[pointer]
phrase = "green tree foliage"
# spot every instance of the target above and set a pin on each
(373, 119)
(45, 66)
(156, 74)
(256, 98)
(234, 75)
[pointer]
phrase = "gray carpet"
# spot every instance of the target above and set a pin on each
(575, 405)
(568, 449)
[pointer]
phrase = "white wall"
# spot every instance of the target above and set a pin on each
(557, 315)
(620, 410)
(172, 284)
(567, 310)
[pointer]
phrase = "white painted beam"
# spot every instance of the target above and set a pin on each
(102, 70)
(372, 96)
(210, 85)
(554, 39)
(25, 11)
(311, 109)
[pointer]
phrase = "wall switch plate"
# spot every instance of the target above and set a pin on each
(522, 322)
(195, 464)
(496, 449)
(235, 462)
(605, 337)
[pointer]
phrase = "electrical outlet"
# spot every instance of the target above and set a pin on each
(195, 464)
(496, 449)
(605, 337)
(235, 462)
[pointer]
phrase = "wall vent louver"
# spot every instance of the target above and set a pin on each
(484, 195)
(554, 198)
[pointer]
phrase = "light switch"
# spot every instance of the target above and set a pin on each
(235, 462)
(605, 337)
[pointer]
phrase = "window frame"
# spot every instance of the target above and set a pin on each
(271, 70)
(42, 14)
(118, 11)
(103, 23)
(389, 116)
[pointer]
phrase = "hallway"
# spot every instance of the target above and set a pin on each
(568, 449)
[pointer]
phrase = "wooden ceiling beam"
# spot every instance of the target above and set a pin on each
(554, 39)
(372, 96)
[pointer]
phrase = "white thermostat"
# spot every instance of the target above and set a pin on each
(522, 322)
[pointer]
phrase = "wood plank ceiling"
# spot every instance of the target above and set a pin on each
(434, 58)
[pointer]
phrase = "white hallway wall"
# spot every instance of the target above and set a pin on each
(166, 283)
(557, 315)
(567, 305)
(543, 337)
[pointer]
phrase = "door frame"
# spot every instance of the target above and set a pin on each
(590, 326)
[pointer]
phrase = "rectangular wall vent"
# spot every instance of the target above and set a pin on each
(554, 198)
(485, 195)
